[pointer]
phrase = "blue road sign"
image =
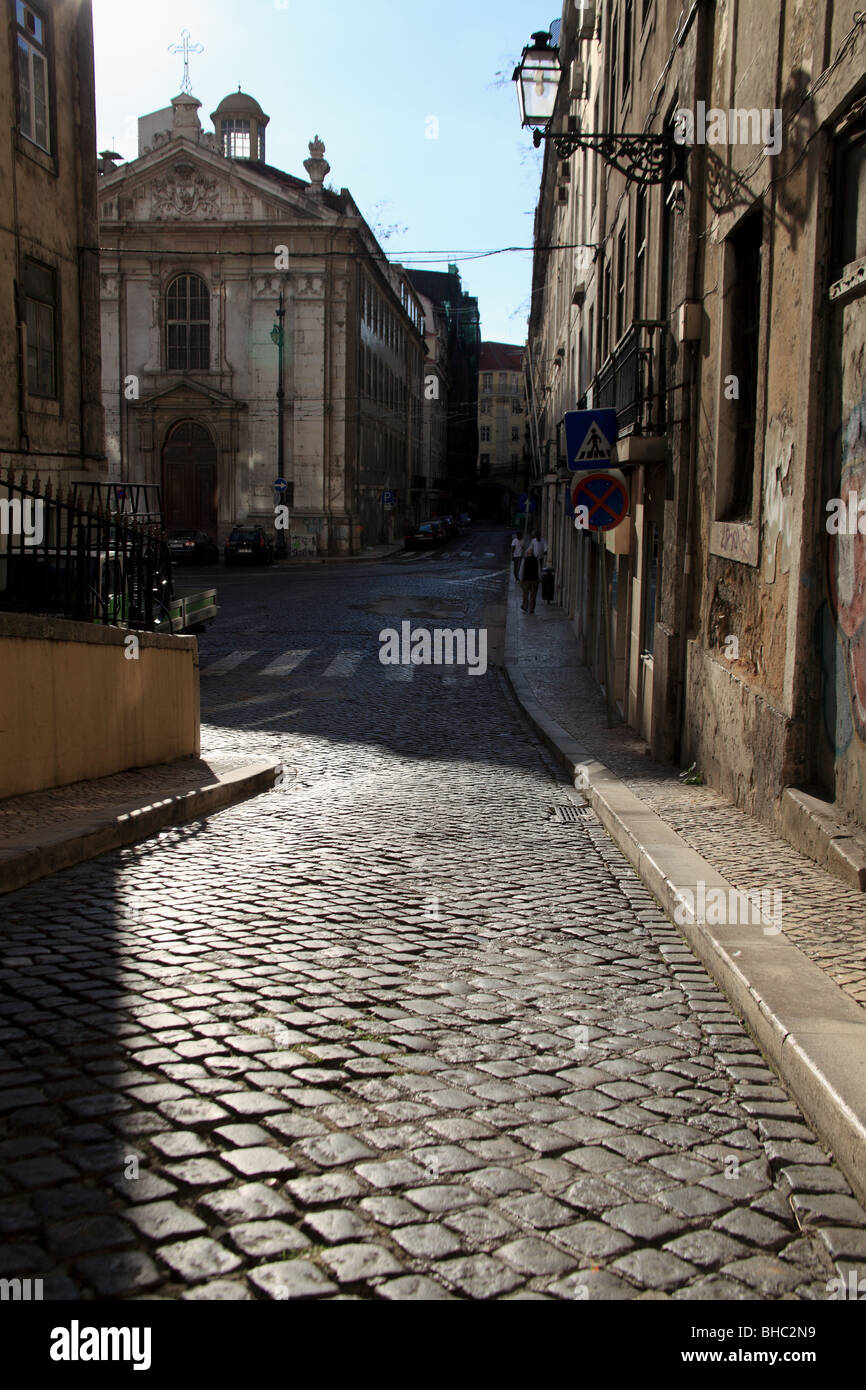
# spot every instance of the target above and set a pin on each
(389, 499)
(281, 485)
(605, 498)
(589, 438)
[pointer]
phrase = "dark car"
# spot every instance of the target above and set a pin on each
(192, 548)
(465, 519)
(449, 526)
(249, 545)
(422, 537)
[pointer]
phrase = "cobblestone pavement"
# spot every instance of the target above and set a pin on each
(398, 1029)
(822, 916)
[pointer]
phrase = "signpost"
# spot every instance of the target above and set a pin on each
(600, 500)
(589, 438)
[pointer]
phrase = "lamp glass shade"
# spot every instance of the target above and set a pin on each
(537, 77)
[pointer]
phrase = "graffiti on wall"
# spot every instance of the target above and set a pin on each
(842, 632)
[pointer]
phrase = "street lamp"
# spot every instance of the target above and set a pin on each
(643, 159)
(278, 337)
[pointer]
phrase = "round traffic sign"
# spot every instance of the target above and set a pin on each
(601, 500)
(281, 485)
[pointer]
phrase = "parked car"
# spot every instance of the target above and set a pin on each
(192, 548)
(449, 525)
(249, 544)
(431, 533)
(465, 519)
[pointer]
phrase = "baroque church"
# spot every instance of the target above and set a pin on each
(253, 330)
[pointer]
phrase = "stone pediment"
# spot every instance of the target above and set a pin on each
(185, 183)
(189, 394)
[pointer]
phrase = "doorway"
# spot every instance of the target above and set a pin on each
(189, 479)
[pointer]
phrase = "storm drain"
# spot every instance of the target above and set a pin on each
(570, 814)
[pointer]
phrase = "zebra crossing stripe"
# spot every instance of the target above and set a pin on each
(287, 663)
(227, 663)
(344, 664)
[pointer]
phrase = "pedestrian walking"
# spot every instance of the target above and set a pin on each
(516, 554)
(530, 573)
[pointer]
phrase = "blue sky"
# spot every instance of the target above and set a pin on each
(365, 75)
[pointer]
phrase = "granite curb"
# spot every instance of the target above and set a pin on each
(810, 1031)
(37, 854)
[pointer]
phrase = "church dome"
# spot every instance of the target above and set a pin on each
(240, 104)
(240, 124)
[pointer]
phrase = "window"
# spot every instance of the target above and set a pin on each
(620, 284)
(614, 72)
(236, 139)
(850, 220)
(40, 316)
(187, 321)
(516, 408)
(488, 382)
(604, 321)
(485, 408)
(485, 434)
(744, 318)
(33, 104)
(627, 28)
(640, 253)
(515, 434)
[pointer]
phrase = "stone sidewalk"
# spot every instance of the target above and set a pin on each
(822, 916)
(46, 831)
(798, 979)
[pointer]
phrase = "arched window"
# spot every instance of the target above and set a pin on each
(187, 325)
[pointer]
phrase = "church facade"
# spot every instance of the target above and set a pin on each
(253, 330)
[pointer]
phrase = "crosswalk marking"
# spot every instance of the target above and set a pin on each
(227, 663)
(287, 663)
(345, 663)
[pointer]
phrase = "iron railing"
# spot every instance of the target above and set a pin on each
(632, 380)
(91, 564)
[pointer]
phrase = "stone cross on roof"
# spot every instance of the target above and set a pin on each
(186, 48)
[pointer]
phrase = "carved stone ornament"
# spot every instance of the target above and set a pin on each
(185, 193)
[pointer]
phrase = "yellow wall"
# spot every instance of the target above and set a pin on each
(73, 706)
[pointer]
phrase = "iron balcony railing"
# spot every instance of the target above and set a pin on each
(632, 380)
(91, 564)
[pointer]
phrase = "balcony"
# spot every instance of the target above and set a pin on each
(633, 383)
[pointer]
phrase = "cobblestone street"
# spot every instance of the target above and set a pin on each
(407, 1027)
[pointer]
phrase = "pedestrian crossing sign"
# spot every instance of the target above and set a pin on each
(589, 437)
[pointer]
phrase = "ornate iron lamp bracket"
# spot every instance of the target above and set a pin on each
(642, 159)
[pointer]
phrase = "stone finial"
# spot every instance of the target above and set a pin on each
(317, 166)
(186, 121)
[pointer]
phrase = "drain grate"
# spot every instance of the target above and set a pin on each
(570, 814)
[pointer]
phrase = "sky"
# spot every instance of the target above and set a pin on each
(375, 79)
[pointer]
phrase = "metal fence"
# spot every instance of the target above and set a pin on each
(92, 564)
(632, 380)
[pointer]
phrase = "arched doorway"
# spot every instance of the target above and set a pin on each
(189, 478)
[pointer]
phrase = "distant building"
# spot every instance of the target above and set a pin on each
(502, 421)
(430, 487)
(463, 325)
(50, 407)
(201, 242)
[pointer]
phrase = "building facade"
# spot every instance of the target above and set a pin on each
(502, 428)
(720, 311)
(50, 408)
(429, 488)
(463, 329)
(253, 329)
